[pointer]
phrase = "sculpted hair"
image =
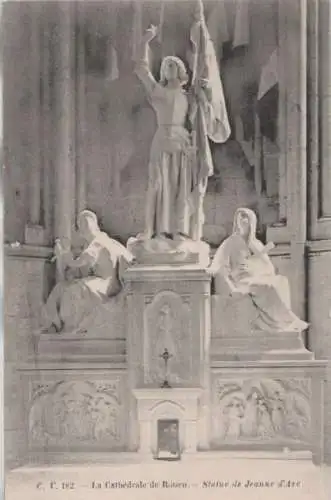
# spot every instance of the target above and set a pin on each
(182, 73)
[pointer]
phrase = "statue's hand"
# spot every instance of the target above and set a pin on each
(61, 253)
(205, 90)
(61, 247)
(246, 267)
(150, 33)
(69, 274)
(58, 249)
(204, 83)
(199, 13)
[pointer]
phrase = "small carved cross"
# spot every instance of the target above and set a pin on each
(165, 356)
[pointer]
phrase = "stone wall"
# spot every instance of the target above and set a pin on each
(114, 122)
(24, 277)
(319, 286)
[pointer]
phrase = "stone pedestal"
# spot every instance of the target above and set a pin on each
(168, 307)
(80, 347)
(35, 235)
(235, 335)
(102, 339)
(160, 251)
(155, 404)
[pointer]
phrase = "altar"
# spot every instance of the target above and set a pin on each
(164, 287)
(168, 365)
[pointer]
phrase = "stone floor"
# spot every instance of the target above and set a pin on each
(225, 477)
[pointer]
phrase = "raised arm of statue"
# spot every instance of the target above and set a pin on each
(142, 68)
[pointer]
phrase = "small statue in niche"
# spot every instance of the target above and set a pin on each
(93, 278)
(242, 261)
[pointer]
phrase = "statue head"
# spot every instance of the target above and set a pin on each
(87, 224)
(245, 223)
(173, 68)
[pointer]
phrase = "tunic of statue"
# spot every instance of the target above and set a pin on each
(243, 263)
(177, 175)
(87, 281)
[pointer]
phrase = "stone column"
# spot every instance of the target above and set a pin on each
(325, 138)
(319, 102)
(279, 232)
(282, 132)
(313, 84)
(35, 179)
(293, 144)
(298, 222)
(47, 177)
(64, 122)
(81, 112)
(34, 232)
(319, 125)
(2, 42)
(295, 59)
(205, 319)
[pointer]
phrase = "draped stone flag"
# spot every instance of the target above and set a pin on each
(211, 118)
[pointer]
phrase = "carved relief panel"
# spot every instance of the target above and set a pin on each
(261, 410)
(167, 325)
(76, 413)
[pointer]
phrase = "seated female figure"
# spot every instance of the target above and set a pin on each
(87, 281)
(242, 261)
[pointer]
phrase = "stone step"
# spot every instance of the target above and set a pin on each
(72, 346)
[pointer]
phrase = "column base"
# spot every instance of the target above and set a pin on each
(35, 235)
